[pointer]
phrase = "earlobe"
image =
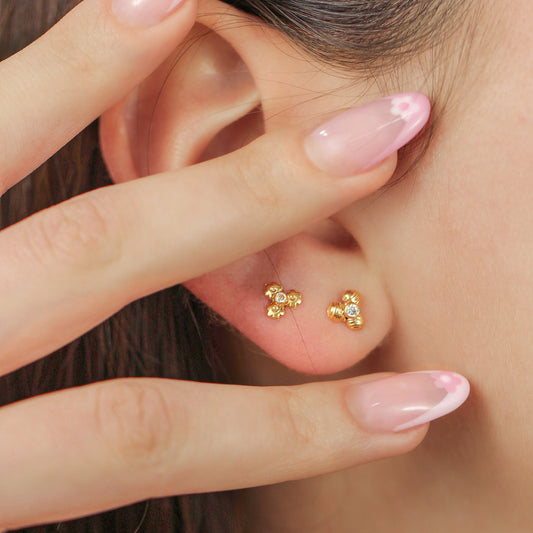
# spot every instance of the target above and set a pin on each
(304, 338)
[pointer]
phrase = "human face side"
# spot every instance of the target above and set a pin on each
(454, 244)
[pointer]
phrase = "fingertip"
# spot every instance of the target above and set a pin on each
(360, 138)
(144, 14)
(403, 401)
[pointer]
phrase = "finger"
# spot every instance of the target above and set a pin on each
(89, 449)
(70, 267)
(63, 81)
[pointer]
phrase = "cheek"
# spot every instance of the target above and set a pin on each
(464, 242)
(460, 266)
(455, 245)
(456, 238)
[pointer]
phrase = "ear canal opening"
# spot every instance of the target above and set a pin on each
(235, 135)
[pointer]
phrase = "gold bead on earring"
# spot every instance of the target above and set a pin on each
(348, 310)
(280, 299)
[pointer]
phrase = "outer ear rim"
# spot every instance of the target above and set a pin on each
(180, 110)
(115, 142)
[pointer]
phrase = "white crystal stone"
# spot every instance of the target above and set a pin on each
(351, 310)
(281, 298)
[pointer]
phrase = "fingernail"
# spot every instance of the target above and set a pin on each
(143, 13)
(360, 138)
(406, 400)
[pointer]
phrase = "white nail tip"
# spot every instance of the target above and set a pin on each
(457, 388)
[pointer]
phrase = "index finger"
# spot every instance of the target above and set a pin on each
(59, 84)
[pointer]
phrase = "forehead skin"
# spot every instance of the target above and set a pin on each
(454, 243)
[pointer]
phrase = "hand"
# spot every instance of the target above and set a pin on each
(66, 269)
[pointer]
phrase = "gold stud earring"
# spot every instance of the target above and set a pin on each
(280, 299)
(348, 310)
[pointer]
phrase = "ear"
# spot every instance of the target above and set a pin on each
(235, 79)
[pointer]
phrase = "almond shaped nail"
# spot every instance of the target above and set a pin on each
(143, 13)
(362, 137)
(406, 400)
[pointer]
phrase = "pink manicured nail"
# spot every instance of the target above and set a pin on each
(406, 400)
(143, 13)
(360, 138)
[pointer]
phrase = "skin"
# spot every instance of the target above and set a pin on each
(449, 244)
(403, 233)
(453, 243)
(69, 267)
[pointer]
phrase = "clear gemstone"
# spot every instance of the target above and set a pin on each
(281, 298)
(351, 310)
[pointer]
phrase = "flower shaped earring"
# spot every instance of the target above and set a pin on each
(347, 310)
(280, 299)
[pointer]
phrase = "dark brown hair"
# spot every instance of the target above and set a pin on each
(361, 34)
(170, 334)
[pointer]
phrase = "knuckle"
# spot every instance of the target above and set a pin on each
(297, 427)
(135, 422)
(81, 233)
